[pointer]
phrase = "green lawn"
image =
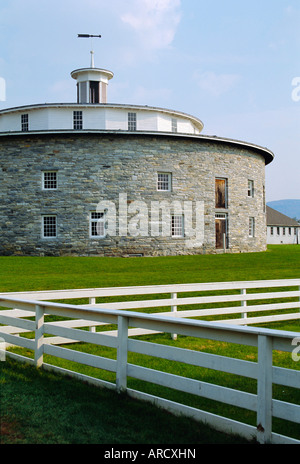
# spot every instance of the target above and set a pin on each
(42, 408)
(72, 412)
(44, 273)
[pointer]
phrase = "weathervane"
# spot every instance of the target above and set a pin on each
(88, 36)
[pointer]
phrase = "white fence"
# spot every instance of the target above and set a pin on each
(16, 322)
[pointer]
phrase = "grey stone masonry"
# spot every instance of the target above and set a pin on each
(116, 176)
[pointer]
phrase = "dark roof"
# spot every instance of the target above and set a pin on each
(275, 218)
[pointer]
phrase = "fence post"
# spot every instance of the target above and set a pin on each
(174, 309)
(264, 389)
(121, 378)
(244, 302)
(2, 349)
(39, 335)
(92, 301)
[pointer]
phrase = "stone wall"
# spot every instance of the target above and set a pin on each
(122, 170)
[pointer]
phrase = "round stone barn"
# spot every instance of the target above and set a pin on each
(98, 179)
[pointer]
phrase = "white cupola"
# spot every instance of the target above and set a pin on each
(92, 82)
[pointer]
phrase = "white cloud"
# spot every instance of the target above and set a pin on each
(289, 10)
(216, 84)
(154, 21)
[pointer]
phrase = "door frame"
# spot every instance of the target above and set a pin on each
(221, 218)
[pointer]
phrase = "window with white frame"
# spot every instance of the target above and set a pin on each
(77, 120)
(177, 225)
(250, 188)
(24, 122)
(174, 125)
(49, 180)
(49, 226)
(97, 224)
(164, 181)
(251, 227)
(132, 121)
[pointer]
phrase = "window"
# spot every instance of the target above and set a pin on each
(272, 230)
(290, 231)
(94, 92)
(250, 188)
(49, 180)
(251, 227)
(174, 125)
(283, 231)
(77, 120)
(177, 228)
(49, 227)
(221, 193)
(131, 121)
(164, 181)
(97, 224)
(278, 230)
(24, 122)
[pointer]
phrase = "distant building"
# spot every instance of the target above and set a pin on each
(281, 229)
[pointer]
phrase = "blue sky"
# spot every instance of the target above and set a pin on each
(229, 62)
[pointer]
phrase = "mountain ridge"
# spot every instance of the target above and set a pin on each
(290, 208)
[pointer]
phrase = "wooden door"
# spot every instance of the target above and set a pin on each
(220, 232)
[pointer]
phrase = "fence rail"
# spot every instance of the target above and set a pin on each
(49, 334)
(248, 292)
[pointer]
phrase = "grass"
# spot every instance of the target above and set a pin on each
(53, 273)
(41, 408)
(91, 415)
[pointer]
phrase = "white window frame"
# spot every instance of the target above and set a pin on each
(164, 181)
(97, 224)
(25, 122)
(252, 227)
(53, 180)
(132, 121)
(46, 228)
(174, 125)
(177, 225)
(250, 188)
(77, 120)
